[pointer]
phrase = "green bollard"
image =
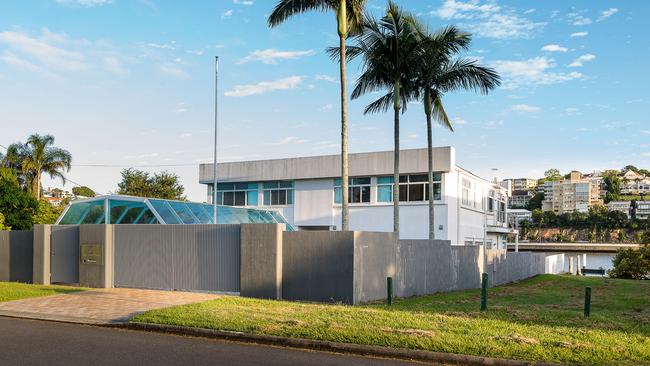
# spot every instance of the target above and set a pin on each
(484, 286)
(587, 301)
(389, 290)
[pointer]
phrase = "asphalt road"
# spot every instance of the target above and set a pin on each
(30, 342)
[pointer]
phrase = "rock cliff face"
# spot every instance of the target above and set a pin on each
(623, 236)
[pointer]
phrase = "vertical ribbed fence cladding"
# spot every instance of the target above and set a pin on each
(64, 265)
(16, 253)
(177, 257)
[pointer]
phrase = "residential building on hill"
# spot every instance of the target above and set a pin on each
(622, 206)
(642, 210)
(517, 215)
(307, 191)
(523, 184)
(570, 195)
(520, 199)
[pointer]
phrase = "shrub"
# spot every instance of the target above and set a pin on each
(631, 263)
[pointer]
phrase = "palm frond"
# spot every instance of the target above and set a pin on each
(285, 9)
(469, 75)
(439, 113)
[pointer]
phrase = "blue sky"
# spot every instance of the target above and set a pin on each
(130, 83)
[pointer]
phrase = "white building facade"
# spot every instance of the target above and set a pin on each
(469, 210)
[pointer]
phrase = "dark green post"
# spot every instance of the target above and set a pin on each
(484, 286)
(587, 301)
(389, 290)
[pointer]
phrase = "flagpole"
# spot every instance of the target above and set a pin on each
(214, 166)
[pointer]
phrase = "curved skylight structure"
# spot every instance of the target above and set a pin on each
(115, 209)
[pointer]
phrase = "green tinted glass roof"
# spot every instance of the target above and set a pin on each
(115, 209)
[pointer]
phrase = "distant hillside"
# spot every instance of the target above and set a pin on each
(623, 236)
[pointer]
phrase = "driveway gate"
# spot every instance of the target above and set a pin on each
(64, 265)
(177, 257)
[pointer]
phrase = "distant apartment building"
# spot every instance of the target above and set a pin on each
(517, 215)
(570, 195)
(622, 206)
(642, 210)
(634, 183)
(468, 209)
(522, 190)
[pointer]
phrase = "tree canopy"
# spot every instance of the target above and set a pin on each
(83, 191)
(16, 205)
(164, 184)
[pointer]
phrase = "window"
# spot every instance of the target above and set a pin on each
(237, 194)
(358, 190)
(490, 201)
(412, 188)
(469, 195)
(278, 193)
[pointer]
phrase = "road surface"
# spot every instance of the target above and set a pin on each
(30, 342)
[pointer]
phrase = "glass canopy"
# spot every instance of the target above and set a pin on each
(116, 209)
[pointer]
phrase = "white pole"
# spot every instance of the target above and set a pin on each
(517, 242)
(214, 164)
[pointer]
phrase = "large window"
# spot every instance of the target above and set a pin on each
(412, 188)
(470, 196)
(237, 194)
(278, 193)
(359, 190)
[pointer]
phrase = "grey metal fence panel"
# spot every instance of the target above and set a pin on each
(64, 265)
(179, 257)
(207, 257)
(143, 256)
(5, 263)
(21, 255)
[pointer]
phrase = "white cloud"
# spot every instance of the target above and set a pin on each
(534, 71)
(180, 107)
(198, 52)
(243, 2)
(577, 19)
(150, 155)
(226, 14)
(582, 59)
(647, 154)
(331, 79)
(529, 11)
(458, 121)
(326, 107)
(114, 65)
(645, 132)
(185, 135)
(570, 110)
(290, 140)
(525, 108)
(165, 46)
(606, 14)
(271, 55)
(264, 87)
(173, 70)
(488, 19)
(554, 48)
(85, 3)
(43, 51)
(579, 34)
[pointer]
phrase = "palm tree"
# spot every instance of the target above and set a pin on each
(437, 74)
(389, 48)
(349, 14)
(39, 156)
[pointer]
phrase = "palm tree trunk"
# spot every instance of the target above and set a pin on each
(396, 174)
(36, 186)
(344, 139)
(432, 227)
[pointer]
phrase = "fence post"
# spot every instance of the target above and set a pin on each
(587, 302)
(484, 286)
(389, 290)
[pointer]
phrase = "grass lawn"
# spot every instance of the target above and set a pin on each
(15, 291)
(539, 319)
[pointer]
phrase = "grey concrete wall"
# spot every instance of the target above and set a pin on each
(41, 252)
(318, 266)
(261, 261)
(97, 275)
(16, 256)
(375, 259)
(516, 266)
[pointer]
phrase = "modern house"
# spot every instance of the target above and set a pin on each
(642, 210)
(570, 195)
(517, 215)
(469, 210)
(622, 206)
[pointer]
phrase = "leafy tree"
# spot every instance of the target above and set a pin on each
(613, 184)
(535, 202)
(2, 223)
(36, 157)
(83, 191)
(157, 185)
(436, 74)
(627, 168)
(47, 213)
(16, 205)
(553, 174)
(631, 263)
(645, 172)
(390, 50)
(349, 17)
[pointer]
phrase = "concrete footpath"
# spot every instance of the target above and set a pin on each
(101, 306)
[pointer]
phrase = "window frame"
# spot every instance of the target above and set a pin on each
(248, 189)
(278, 187)
(359, 184)
(406, 181)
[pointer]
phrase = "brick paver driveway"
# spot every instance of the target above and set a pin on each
(98, 306)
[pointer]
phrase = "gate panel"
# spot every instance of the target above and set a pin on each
(143, 256)
(206, 258)
(64, 265)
